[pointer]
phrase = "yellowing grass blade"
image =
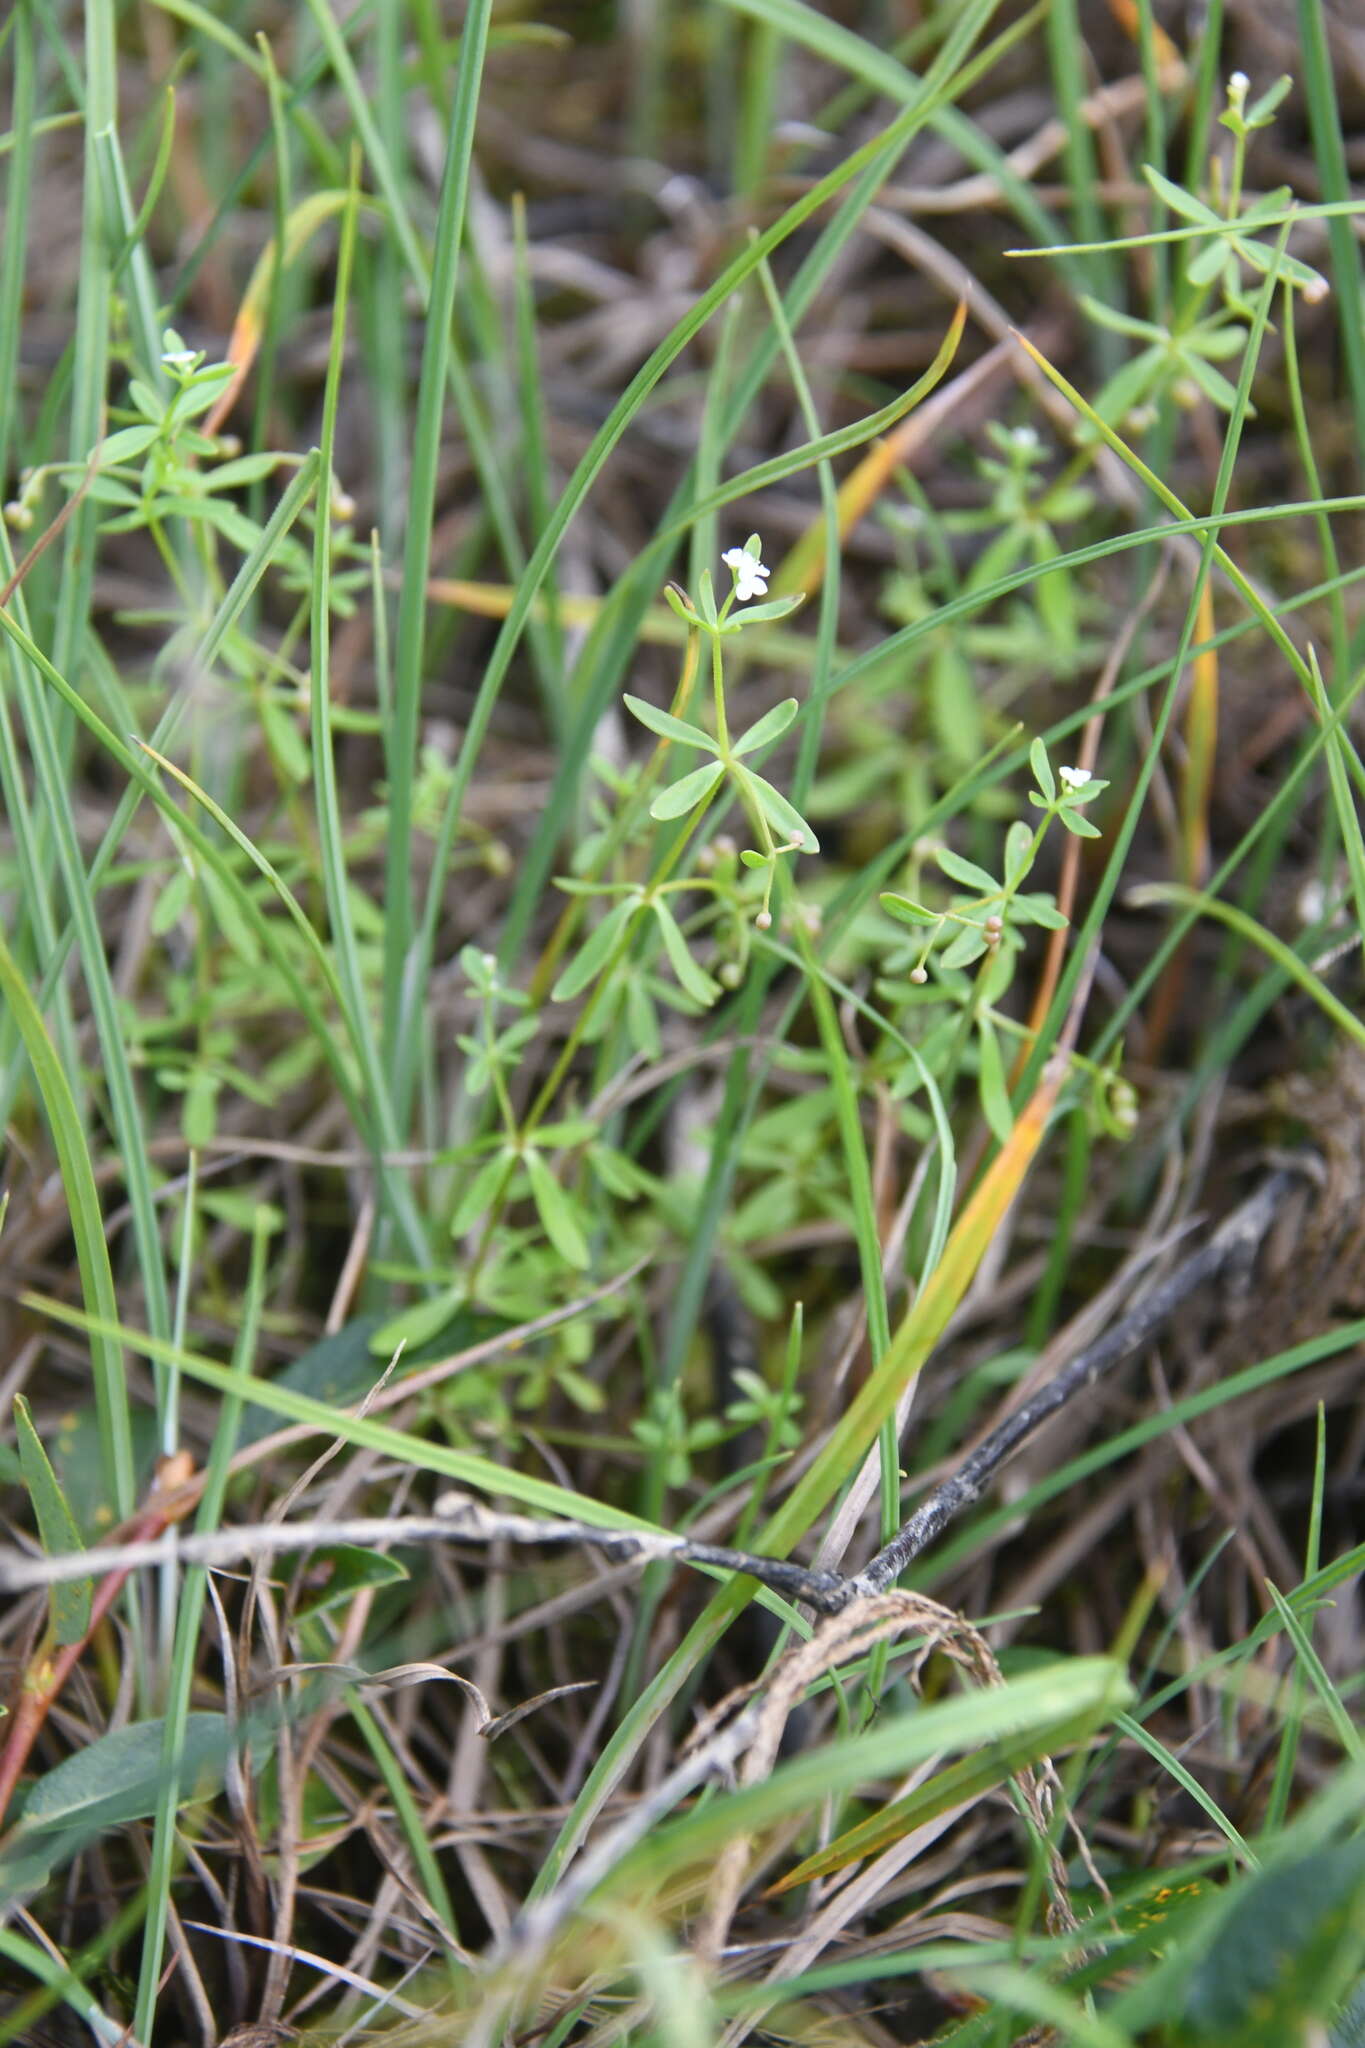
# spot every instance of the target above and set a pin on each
(924, 1323)
(804, 567)
(959, 1784)
(302, 224)
(1125, 13)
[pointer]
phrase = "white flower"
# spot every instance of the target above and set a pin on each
(751, 576)
(1074, 778)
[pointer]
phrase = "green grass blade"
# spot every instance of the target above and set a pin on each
(87, 1228)
(402, 995)
(185, 1654)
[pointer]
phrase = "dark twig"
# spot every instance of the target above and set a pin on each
(461, 1517)
(1232, 1246)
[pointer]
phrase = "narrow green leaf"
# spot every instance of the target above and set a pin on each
(570, 1130)
(555, 1211)
(966, 871)
(1119, 323)
(479, 1194)
(687, 793)
(774, 608)
(1018, 852)
(1042, 770)
(127, 443)
(965, 948)
(779, 810)
(668, 727)
(1038, 909)
(768, 728)
(1214, 385)
(57, 1531)
(691, 977)
(906, 909)
(1182, 203)
(993, 1087)
(87, 1227)
(596, 950)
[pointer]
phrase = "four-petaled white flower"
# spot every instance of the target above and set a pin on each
(751, 575)
(1074, 778)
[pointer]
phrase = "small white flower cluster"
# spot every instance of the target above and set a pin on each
(1074, 778)
(751, 575)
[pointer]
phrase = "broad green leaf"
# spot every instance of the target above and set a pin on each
(115, 1778)
(642, 1021)
(172, 901)
(339, 1368)
(1260, 110)
(349, 1570)
(112, 1780)
(1288, 1950)
(74, 1445)
(285, 741)
(1260, 259)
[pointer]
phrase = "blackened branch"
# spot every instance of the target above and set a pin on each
(1231, 1249)
(461, 1517)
